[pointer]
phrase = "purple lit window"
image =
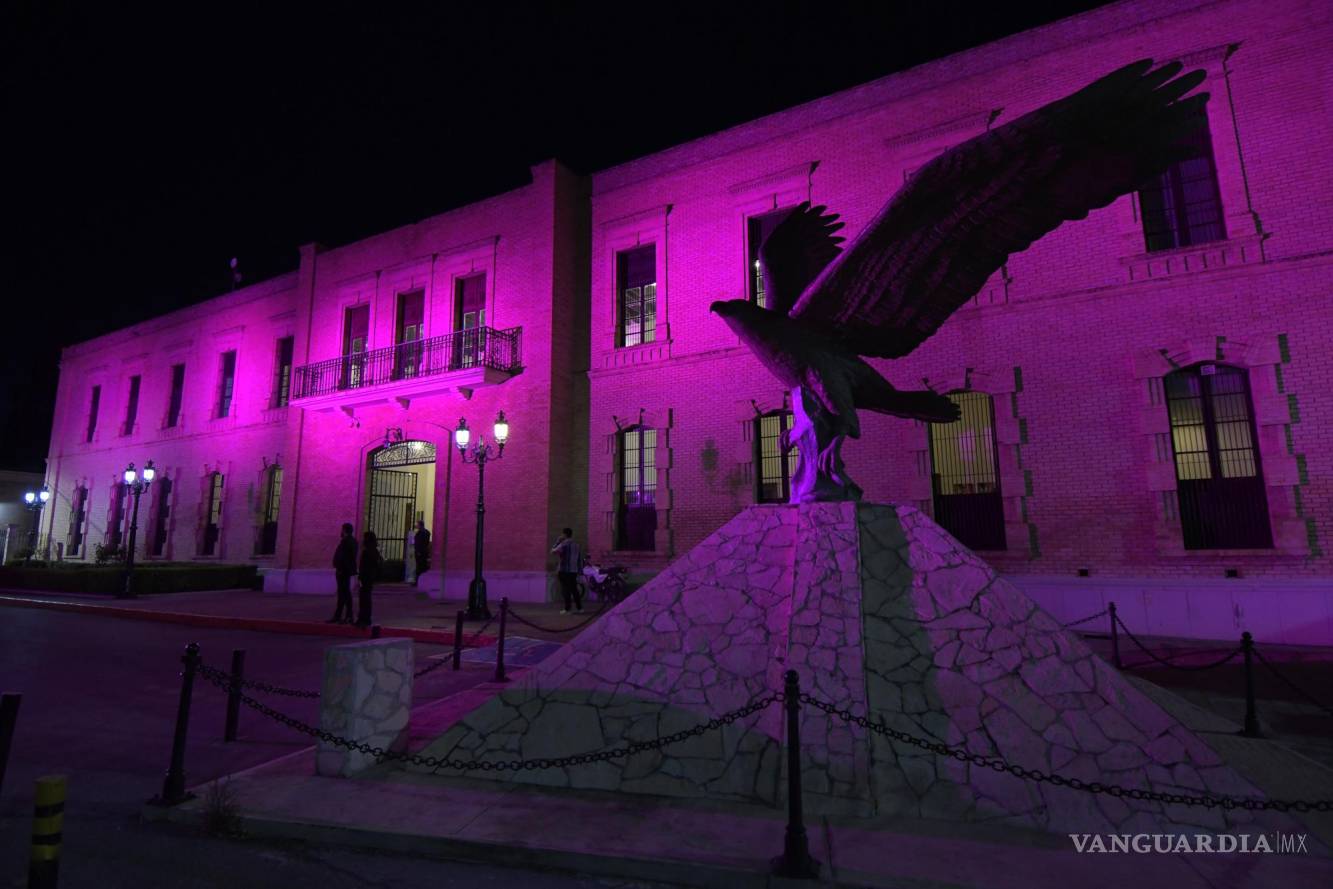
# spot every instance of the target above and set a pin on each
(226, 383)
(636, 524)
(965, 476)
(356, 339)
(115, 516)
(758, 228)
(775, 465)
(282, 374)
(177, 394)
(92, 412)
(636, 287)
(157, 544)
(267, 544)
(469, 320)
(212, 514)
(409, 333)
(78, 517)
(131, 407)
(1181, 207)
(1219, 485)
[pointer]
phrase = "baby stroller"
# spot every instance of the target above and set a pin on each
(607, 584)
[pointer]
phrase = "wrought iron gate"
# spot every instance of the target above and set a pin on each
(393, 508)
(965, 476)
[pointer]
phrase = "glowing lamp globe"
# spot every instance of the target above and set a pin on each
(149, 473)
(130, 475)
(44, 495)
(462, 435)
(501, 429)
(30, 497)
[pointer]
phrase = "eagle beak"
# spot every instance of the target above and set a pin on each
(716, 307)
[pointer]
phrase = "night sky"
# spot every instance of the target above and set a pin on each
(145, 148)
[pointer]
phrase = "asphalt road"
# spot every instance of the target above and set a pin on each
(99, 701)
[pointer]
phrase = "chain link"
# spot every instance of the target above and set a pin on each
(1293, 686)
(255, 684)
(999, 765)
(583, 623)
(1235, 652)
(1090, 617)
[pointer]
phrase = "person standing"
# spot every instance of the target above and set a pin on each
(344, 569)
(421, 548)
(571, 561)
(370, 572)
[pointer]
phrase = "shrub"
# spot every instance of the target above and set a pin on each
(150, 577)
(102, 553)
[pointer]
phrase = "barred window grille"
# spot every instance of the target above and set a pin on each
(268, 529)
(212, 514)
(637, 514)
(1219, 483)
(758, 228)
(1182, 207)
(636, 286)
(775, 465)
(965, 475)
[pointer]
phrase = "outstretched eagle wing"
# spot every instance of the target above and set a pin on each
(959, 217)
(796, 251)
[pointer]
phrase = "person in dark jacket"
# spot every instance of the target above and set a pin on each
(344, 569)
(370, 572)
(421, 549)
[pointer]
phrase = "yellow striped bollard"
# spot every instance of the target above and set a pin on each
(48, 819)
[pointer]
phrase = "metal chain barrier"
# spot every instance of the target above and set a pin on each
(514, 765)
(999, 765)
(1088, 619)
(467, 643)
(1230, 653)
(1293, 686)
(583, 623)
(1234, 653)
(211, 672)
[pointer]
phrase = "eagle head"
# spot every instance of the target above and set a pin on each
(735, 312)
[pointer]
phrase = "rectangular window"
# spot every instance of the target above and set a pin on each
(78, 518)
(158, 544)
(177, 394)
(282, 374)
(965, 476)
(356, 340)
(212, 514)
(409, 333)
(226, 383)
(776, 466)
(758, 228)
(115, 516)
(268, 531)
(131, 407)
(469, 320)
(1181, 207)
(636, 288)
(92, 412)
(637, 519)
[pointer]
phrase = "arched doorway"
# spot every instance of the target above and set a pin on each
(401, 492)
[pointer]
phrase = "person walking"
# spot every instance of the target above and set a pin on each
(571, 561)
(344, 569)
(421, 548)
(370, 572)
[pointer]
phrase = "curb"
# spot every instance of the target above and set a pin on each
(225, 622)
(656, 870)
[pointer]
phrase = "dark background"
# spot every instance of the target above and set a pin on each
(146, 147)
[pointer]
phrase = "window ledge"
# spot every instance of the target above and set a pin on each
(1269, 554)
(642, 353)
(1196, 258)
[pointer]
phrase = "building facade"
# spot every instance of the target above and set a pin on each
(1144, 414)
(1143, 420)
(279, 411)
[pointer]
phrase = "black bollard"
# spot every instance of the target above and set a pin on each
(458, 639)
(9, 717)
(234, 694)
(1251, 729)
(173, 789)
(500, 644)
(1115, 636)
(48, 821)
(795, 860)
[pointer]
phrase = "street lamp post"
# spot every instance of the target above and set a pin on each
(137, 485)
(35, 501)
(480, 453)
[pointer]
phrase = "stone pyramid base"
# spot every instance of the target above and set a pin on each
(881, 612)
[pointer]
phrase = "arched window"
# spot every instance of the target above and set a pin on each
(774, 466)
(267, 544)
(636, 520)
(78, 518)
(965, 473)
(1218, 479)
(212, 514)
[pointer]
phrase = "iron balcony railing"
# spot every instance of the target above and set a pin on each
(460, 350)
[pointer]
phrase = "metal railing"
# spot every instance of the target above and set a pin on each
(460, 350)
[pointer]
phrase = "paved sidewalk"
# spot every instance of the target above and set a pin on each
(399, 611)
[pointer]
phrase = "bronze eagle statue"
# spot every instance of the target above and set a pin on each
(933, 246)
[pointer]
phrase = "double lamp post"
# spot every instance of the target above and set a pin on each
(136, 484)
(479, 453)
(35, 502)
